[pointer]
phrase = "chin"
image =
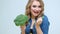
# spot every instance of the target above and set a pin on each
(35, 15)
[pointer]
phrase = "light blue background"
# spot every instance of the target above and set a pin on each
(9, 9)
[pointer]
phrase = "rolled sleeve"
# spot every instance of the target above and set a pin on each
(45, 25)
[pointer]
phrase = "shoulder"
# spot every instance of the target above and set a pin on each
(45, 17)
(45, 20)
(45, 25)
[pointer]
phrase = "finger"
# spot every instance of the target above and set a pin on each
(39, 19)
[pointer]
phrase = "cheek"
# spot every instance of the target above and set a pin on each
(40, 9)
(32, 9)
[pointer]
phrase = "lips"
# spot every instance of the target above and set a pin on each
(36, 12)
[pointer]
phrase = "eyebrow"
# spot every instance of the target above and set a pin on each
(36, 5)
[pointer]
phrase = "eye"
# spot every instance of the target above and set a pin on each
(39, 6)
(34, 6)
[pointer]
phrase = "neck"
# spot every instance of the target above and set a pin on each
(32, 17)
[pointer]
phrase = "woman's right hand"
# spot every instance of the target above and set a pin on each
(23, 29)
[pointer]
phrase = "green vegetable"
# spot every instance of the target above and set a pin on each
(20, 20)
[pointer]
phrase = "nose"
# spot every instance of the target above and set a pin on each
(37, 9)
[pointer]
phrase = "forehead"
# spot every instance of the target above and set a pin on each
(36, 3)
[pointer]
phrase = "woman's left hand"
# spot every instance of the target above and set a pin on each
(39, 21)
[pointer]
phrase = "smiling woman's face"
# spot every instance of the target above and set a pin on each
(35, 8)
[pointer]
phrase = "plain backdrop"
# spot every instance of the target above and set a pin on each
(9, 9)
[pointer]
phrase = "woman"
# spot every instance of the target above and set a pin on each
(38, 23)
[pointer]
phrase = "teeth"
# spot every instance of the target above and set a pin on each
(35, 12)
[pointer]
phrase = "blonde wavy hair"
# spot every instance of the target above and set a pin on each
(28, 6)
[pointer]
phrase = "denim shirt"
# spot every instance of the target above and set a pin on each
(44, 26)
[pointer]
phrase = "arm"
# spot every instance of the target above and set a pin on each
(23, 29)
(38, 29)
(45, 26)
